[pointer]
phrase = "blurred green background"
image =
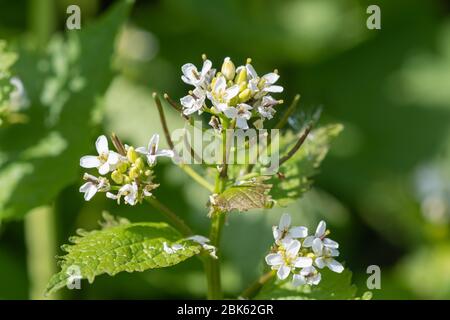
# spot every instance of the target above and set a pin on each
(384, 189)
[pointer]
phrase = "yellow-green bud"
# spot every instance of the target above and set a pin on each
(117, 177)
(148, 173)
(134, 173)
(139, 163)
(122, 167)
(242, 76)
(132, 155)
(245, 95)
(228, 69)
(126, 179)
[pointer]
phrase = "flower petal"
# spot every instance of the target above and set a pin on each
(153, 143)
(283, 272)
(298, 280)
(308, 241)
(230, 112)
(335, 266)
(251, 71)
(102, 145)
(285, 221)
(276, 233)
(113, 158)
(271, 77)
(317, 246)
(293, 248)
(231, 92)
(165, 153)
(298, 232)
(321, 228)
(274, 259)
(274, 89)
(303, 262)
(241, 123)
(89, 162)
(90, 192)
(320, 262)
(206, 67)
(104, 168)
(330, 243)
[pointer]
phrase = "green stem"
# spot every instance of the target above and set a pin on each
(198, 178)
(40, 240)
(255, 287)
(174, 220)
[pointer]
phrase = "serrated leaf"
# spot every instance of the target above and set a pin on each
(243, 197)
(333, 286)
(63, 86)
(296, 173)
(118, 247)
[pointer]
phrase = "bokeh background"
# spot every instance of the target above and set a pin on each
(384, 188)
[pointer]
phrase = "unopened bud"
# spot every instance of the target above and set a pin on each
(245, 95)
(139, 163)
(134, 173)
(132, 155)
(228, 69)
(117, 177)
(242, 76)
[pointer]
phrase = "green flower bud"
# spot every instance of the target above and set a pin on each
(122, 167)
(117, 177)
(242, 76)
(134, 173)
(139, 163)
(132, 155)
(228, 69)
(245, 95)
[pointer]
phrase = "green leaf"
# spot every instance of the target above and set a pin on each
(248, 195)
(64, 87)
(120, 246)
(333, 286)
(295, 175)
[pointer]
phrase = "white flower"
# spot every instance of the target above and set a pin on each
(265, 107)
(318, 241)
(105, 161)
(152, 152)
(286, 259)
(308, 275)
(93, 185)
(129, 191)
(193, 103)
(284, 230)
(193, 77)
(203, 241)
(241, 113)
(326, 259)
(221, 95)
(173, 248)
(261, 85)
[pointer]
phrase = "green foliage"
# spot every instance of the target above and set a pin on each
(243, 197)
(295, 175)
(334, 286)
(121, 246)
(63, 86)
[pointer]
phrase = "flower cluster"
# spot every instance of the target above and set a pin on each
(235, 95)
(129, 170)
(297, 253)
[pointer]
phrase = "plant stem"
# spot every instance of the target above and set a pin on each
(288, 113)
(172, 217)
(40, 240)
(256, 286)
(198, 178)
(162, 118)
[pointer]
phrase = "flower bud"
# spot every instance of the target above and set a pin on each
(122, 167)
(245, 95)
(242, 76)
(139, 163)
(132, 155)
(228, 69)
(134, 173)
(117, 177)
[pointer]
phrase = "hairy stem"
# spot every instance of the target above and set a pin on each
(256, 286)
(162, 118)
(172, 217)
(297, 146)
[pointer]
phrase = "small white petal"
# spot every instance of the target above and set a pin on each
(274, 259)
(165, 153)
(241, 123)
(317, 246)
(308, 241)
(90, 162)
(271, 77)
(230, 112)
(141, 150)
(153, 143)
(303, 262)
(113, 158)
(330, 243)
(206, 67)
(315, 280)
(104, 168)
(320, 263)
(335, 266)
(298, 280)
(90, 192)
(298, 232)
(283, 272)
(102, 145)
(251, 71)
(321, 228)
(199, 239)
(276, 233)
(293, 248)
(285, 221)
(274, 89)
(231, 92)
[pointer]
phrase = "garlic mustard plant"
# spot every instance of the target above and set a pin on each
(228, 98)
